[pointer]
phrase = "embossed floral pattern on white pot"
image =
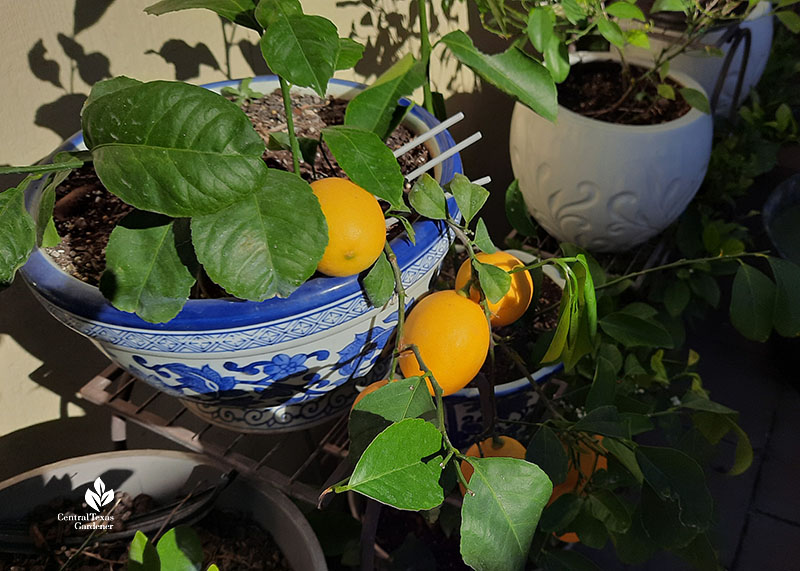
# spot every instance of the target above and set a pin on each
(280, 364)
(604, 186)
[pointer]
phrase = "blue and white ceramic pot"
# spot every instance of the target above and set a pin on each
(276, 365)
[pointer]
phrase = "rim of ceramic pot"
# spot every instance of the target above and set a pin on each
(692, 116)
(82, 299)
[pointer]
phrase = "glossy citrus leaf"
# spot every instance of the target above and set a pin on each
(244, 249)
(302, 49)
(392, 469)
(517, 212)
(786, 316)
(379, 282)
(500, 515)
(470, 197)
(512, 71)
(427, 198)
(142, 555)
(495, 282)
(149, 266)
(367, 161)
(752, 303)
(377, 108)
(238, 11)
(547, 452)
(203, 156)
(17, 230)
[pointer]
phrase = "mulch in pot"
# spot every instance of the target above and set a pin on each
(86, 213)
(600, 90)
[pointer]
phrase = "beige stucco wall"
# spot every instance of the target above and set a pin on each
(123, 41)
(42, 364)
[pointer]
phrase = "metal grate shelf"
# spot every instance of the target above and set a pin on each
(253, 455)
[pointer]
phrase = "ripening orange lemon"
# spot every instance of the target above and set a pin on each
(519, 296)
(501, 447)
(356, 226)
(452, 335)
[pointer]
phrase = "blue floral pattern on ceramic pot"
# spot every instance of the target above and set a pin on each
(280, 364)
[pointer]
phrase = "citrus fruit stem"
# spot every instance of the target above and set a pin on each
(400, 290)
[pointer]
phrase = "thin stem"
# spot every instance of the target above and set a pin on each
(425, 53)
(520, 364)
(49, 167)
(287, 105)
(401, 305)
(677, 264)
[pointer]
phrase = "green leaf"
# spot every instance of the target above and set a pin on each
(789, 19)
(149, 266)
(408, 228)
(591, 531)
(558, 515)
(604, 420)
(392, 471)
(744, 450)
(517, 212)
(668, 6)
(541, 23)
(706, 287)
(270, 11)
(611, 32)
(513, 72)
(279, 141)
(562, 328)
(752, 303)
(350, 53)
(470, 197)
(179, 549)
(662, 522)
(562, 560)
(638, 38)
(142, 555)
(50, 237)
(786, 315)
(482, 238)
(376, 108)
(604, 385)
(186, 166)
(244, 248)
(17, 230)
(696, 99)
(626, 10)
(700, 553)
(666, 91)
(640, 309)
(367, 161)
(573, 11)
(676, 477)
(45, 227)
(635, 546)
(495, 281)
(500, 515)
(556, 59)
(694, 401)
(427, 198)
(238, 11)
(586, 280)
(625, 455)
(302, 50)
(379, 282)
(608, 508)
(676, 297)
(396, 401)
(547, 452)
(634, 331)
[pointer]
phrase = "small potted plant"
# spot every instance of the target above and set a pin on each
(643, 144)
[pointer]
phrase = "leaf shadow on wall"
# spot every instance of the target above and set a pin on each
(62, 116)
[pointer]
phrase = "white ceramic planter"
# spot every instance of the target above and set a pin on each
(163, 475)
(706, 69)
(603, 186)
(281, 364)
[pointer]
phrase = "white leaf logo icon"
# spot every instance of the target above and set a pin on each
(99, 497)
